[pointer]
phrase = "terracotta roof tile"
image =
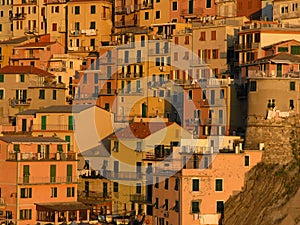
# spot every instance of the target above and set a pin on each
(140, 130)
(36, 44)
(24, 69)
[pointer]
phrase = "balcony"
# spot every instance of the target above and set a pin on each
(139, 198)
(19, 102)
(109, 92)
(57, 69)
(191, 12)
(51, 127)
(131, 60)
(122, 175)
(19, 16)
(55, 1)
(138, 92)
(193, 122)
(155, 157)
(129, 76)
(246, 47)
(84, 196)
(127, 23)
(74, 33)
(46, 180)
(196, 150)
(29, 156)
(161, 51)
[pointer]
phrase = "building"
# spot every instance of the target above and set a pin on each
(86, 32)
(286, 11)
(36, 54)
(197, 192)
(42, 184)
(5, 20)
(27, 87)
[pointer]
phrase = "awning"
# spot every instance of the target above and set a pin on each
(62, 206)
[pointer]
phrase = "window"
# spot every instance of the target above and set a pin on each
(138, 188)
(195, 186)
(222, 92)
(247, 160)
(93, 25)
(213, 35)
(146, 15)
(219, 185)
(156, 182)
(271, 103)
(174, 6)
(208, 3)
(156, 203)
(93, 9)
(52, 173)
(190, 97)
(157, 15)
(195, 207)
(54, 192)
(139, 146)
(42, 94)
(70, 192)
(166, 204)
(167, 183)
(292, 86)
(221, 116)
(116, 146)
(26, 192)
(116, 187)
(252, 85)
(25, 214)
(1, 94)
(177, 183)
(202, 36)
(292, 104)
(0, 27)
(77, 10)
(22, 78)
(54, 94)
(220, 207)
(283, 49)
(295, 50)
(85, 78)
(186, 40)
(204, 94)
(215, 53)
(1, 78)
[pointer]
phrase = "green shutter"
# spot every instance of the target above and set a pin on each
(43, 126)
(26, 169)
(30, 193)
(70, 124)
(68, 139)
(69, 173)
(16, 147)
(22, 192)
(39, 148)
(53, 173)
(1, 78)
(68, 192)
(21, 214)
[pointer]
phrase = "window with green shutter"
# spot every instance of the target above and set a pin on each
(59, 148)
(16, 147)
(70, 123)
(52, 173)
(26, 192)
(1, 78)
(292, 86)
(26, 173)
(54, 93)
(116, 187)
(68, 139)
(22, 78)
(295, 50)
(283, 49)
(42, 94)
(195, 207)
(69, 173)
(43, 125)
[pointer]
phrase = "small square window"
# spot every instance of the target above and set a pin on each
(146, 15)
(93, 25)
(174, 6)
(54, 93)
(1, 78)
(116, 187)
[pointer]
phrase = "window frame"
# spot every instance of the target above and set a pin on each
(217, 187)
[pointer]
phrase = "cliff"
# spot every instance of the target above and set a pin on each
(271, 194)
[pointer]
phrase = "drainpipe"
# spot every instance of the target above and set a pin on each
(17, 192)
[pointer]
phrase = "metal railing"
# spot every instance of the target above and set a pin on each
(26, 156)
(139, 198)
(53, 127)
(46, 180)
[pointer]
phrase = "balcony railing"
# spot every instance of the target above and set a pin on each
(130, 75)
(247, 46)
(127, 23)
(93, 195)
(2, 202)
(19, 102)
(46, 180)
(161, 51)
(123, 175)
(48, 127)
(39, 156)
(19, 16)
(194, 11)
(107, 92)
(196, 150)
(139, 198)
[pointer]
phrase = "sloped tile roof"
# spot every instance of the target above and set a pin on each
(25, 70)
(140, 130)
(21, 139)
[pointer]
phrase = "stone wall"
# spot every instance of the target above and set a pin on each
(276, 134)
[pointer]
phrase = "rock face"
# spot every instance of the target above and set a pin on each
(271, 194)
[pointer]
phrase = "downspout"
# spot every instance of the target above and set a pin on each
(17, 191)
